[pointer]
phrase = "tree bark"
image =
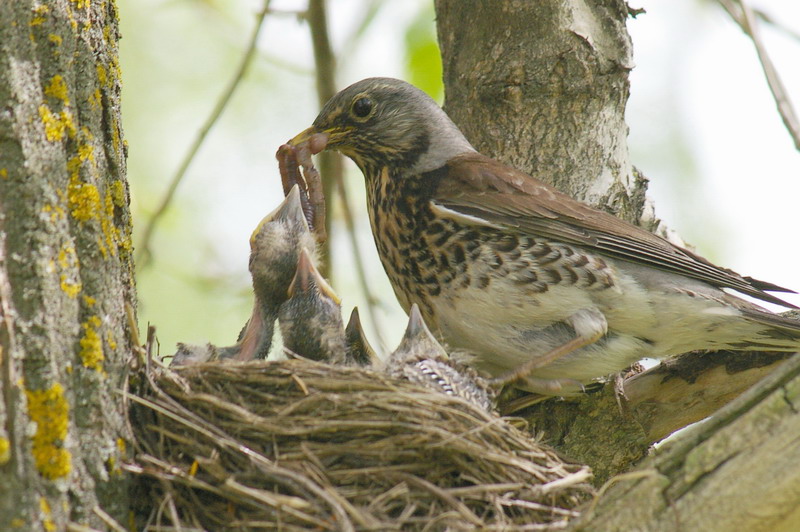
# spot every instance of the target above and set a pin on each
(66, 271)
(612, 433)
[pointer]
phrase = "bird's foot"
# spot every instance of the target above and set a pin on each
(540, 390)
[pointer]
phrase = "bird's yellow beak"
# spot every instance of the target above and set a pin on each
(316, 140)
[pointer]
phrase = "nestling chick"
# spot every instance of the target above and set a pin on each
(420, 358)
(359, 352)
(188, 354)
(311, 319)
(274, 251)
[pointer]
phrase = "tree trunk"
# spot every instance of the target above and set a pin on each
(66, 271)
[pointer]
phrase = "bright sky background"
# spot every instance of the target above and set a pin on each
(704, 129)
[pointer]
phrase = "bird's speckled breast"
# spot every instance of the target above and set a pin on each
(429, 257)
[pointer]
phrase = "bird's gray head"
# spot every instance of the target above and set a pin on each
(386, 122)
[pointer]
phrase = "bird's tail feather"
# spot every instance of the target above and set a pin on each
(783, 333)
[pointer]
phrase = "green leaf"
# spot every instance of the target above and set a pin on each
(423, 60)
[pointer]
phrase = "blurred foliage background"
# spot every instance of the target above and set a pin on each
(703, 125)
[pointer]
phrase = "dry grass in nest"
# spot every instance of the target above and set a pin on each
(299, 445)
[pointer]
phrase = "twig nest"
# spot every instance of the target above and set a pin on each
(301, 445)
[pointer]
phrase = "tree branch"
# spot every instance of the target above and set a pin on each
(696, 483)
(741, 13)
(611, 434)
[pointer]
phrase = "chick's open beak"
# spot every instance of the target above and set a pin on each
(316, 140)
(308, 278)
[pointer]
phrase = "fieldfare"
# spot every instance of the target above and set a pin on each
(420, 358)
(359, 351)
(311, 319)
(275, 247)
(517, 273)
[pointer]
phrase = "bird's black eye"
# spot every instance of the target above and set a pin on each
(362, 107)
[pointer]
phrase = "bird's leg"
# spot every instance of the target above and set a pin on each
(589, 324)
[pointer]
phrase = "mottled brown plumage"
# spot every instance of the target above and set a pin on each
(517, 273)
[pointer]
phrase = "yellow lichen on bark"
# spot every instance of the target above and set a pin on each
(91, 352)
(102, 75)
(68, 262)
(54, 212)
(39, 15)
(112, 343)
(47, 522)
(56, 124)
(118, 193)
(5, 451)
(87, 203)
(84, 198)
(57, 88)
(50, 411)
(95, 99)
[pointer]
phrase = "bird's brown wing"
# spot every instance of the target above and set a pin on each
(486, 191)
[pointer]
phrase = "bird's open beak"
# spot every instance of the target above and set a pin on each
(316, 140)
(307, 277)
(290, 210)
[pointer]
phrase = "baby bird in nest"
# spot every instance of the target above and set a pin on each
(420, 358)
(311, 318)
(359, 351)
(275, 247)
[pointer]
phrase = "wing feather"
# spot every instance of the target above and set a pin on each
(487, 192)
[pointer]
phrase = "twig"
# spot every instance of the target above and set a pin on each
(145, 254)
(741, 13)
(109, 521)
(783, 28)
(151, 340)
(280, 474)
(331, 164)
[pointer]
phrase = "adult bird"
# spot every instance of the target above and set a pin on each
(529, 280)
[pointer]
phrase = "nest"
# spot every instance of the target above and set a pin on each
(299, 445)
